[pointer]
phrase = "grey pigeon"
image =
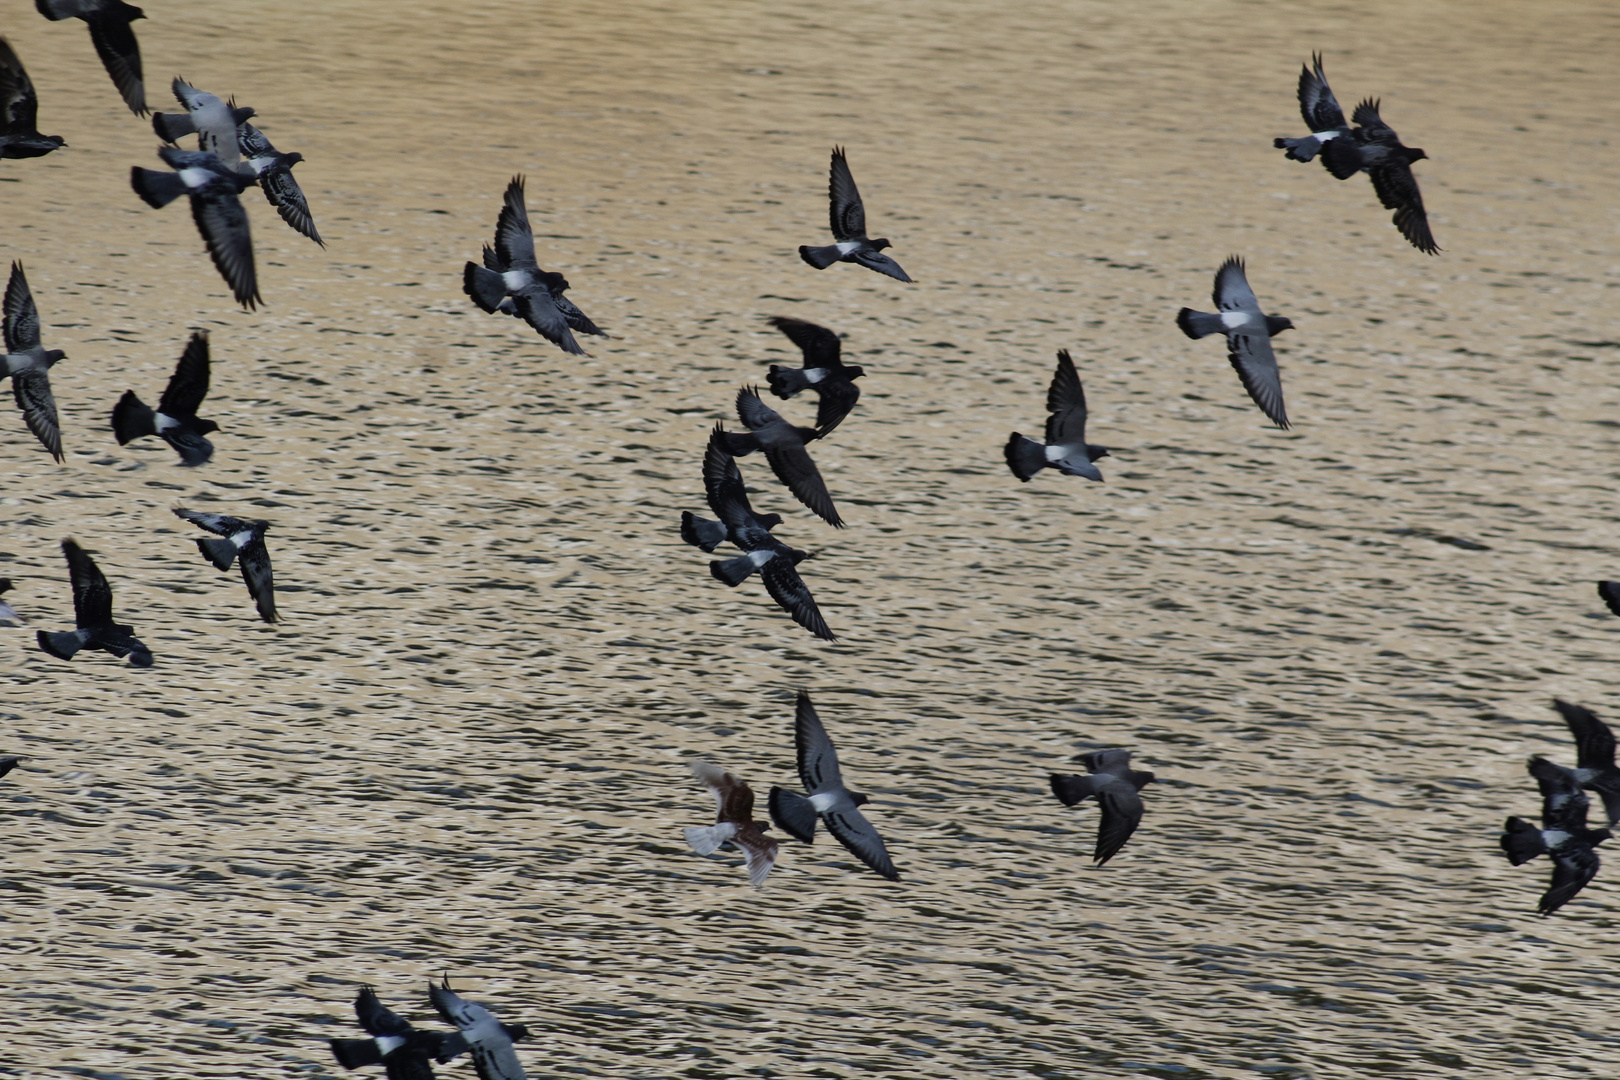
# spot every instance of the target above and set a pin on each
(243, 541)
(533, 292)
(1065, 449)
(1324, 119)
(734, 823)
(113, 38)
(1116, 787)
(1594, 756)
(826, 796)
(92, 613)
(175, 419)
(1389, 164)
(8, 614)
(403, 1051)
(1248, 333)
(775, 561)
(488, 1040)
(784, 447)
(27, 363)
(848, 217)
(823, 371)
(1563, 835)
(213, 121)
(19, 111)
(214, 190)
(274, 172)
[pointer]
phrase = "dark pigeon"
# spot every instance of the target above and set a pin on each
(1594, 756)
(1389, 164)
(1563, 835)
(403, 1051)
(1248, 337)
(784, 447)
(213, 121)
(244, 540)
(1065, 449)
(488, 1040)
(28, 364)
(533, 292)
(216, 206)
(1116, 787)
(775, 561)
(19, 111)
(827, 797)
(555, 284)
(175, 419)
(823, 371)
(734, 823)
(92, 613)
(848, 216)
(113, 38)
(8, 614)
(1610, 592)
(274, 172)
(9, 762)
(1324, 119)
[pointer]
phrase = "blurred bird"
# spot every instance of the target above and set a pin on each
(488, 1040)
(8, 614)
(28, 363)
(1116, 787)
(1594, 756)
(1389, 164)
(1065, 449)
(244, 540)
(213, 121)
(556, 285)
(1610, 592)
(92, 613)
(823, 371)
(401, 1049)
(1563, 835)
(216, 207)
(1324, 119)
(274, 172)
(848, 215)
(19, 111)
(9, 762)
(1248, 337)
(827, 797)
(175, 419)
(784, 446)
(113, 38)
(734, 823)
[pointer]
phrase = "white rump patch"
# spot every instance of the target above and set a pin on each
(194, 177)
(387, 1044)
(240, 539)
(814, 375)
(1324, 136)
(1058, 453)
(847, 246)
(823, 802)
(1234, 319)
(516, 280)
(761, 557)
(164, 423)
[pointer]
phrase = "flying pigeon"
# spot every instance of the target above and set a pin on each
(274, 172)
(1065, 449)
(114, 41)
(488, 1040)
(1325, 122)
(775, 561)
(784, 446)
(8, 614)
(244, 539)
(1563, 835)
(175, 419)
(9, 762)
(401, 1049)
(1116, 787)
(19, 111)
(1248, 337)
(28, 363)
(848, 217)
(823, 371)
(1389, 164)
(215, 206)
(92, 613)
(734, 823)
(1594, 756)
(1610, 592)
(555, 284)
(213, 121)
(827, 797)
(533, 291)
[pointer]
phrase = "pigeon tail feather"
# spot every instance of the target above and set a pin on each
(786, 381)
(793, 814)
(820, 257)
(1197, 324)
(158, 189)
(171, 126)
(706, 841)
(701, 532)
(61, 645)
(1522, 841)
(132, 418)
(732, 571)
(356, 1053)
(486, 287)
(219, 552)
(1025, 456)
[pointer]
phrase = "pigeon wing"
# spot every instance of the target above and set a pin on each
(818, 761)
(21, 316)
(1316, 102)
(1121, 814)
(821, 346)
(1066, 402)
(224, 227)
(514, 240)
(540, 311)
(219, 524)
(1571, 871)
(795, 468)
(847, 211)
(1256, 365)
(189, 383)
(759, 853)
(255, 563)
(282, 191)
(1232, 292)
(92, 596)
(723, 483)
(787, 588)
(733, 799)
(876, 260)
(32, 389)
(19, 105)
(1563, 803)
(1398, 190)
(121, 55)
(838, 398)
(1594, 742)
(850, 828)
(376, 1018)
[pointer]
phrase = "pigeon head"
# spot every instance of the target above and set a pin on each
(859, 798)
(206, 427)
(140, 659)
(53, 355)
(1597, 836)
(5, 584)
(291, 159)
(1413, 153)
(769, 521)
(879, 244)
(1095, 452)
(798, 556)
(1276, 324)
(854, 371)
(516, 1032)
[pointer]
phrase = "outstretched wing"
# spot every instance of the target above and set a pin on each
(32, 389)
(21, 317)
(850, 828)
(514, 240)
(19, 105)
(189, 383)
(92, 596)
(848, 214)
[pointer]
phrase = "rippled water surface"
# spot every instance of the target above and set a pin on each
(464, 749)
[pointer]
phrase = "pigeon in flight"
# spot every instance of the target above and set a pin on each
(734, 823)
(828, 798)
(28, 363)
(92, 613)
(823, 371)
(488, 1040)
(274, 172)
(1610, 592)
(1389, 164)
(19, 111)
(175, 419)
(213, 121)
(1116, 787)
(534, 292)
(784, 446)
(8, 614)
(9, 762)
(244, 540)
(214, 189)
(555, 284)
(1325, 121)
(1594, 756)
(848, 217)
(775, 561)
(1065, 448)
(1563, 835)
(401, 1049)
(1248, 337)
(113, 38)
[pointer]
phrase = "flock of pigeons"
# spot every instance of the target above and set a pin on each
(233, 155)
